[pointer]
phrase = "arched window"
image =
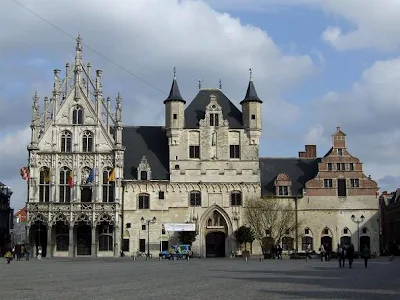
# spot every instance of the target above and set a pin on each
(195, 198)
(305, 241)
(87, 141)
(66, 141)
(236, 198)
(108, 185)
(106, 237)
(287, 243)
(65, 184)
(144, 201)
(44, 185)
(77, 115)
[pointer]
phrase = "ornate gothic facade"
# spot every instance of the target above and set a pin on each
(97, 188)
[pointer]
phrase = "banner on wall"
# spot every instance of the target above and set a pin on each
(180, 227)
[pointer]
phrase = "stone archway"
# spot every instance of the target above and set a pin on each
(215, 232)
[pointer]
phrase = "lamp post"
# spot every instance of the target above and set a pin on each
(358, 221)
(150, 221)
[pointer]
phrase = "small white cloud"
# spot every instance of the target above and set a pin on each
(332, 35)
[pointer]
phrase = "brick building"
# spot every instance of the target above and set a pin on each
(6, 217)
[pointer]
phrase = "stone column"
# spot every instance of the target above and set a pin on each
(49, 250)
(116, 237)
(27, 234)
(93, 250)
(71, 250)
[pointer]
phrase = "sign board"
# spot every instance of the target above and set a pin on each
(180, 227)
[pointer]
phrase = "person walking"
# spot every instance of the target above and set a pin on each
(341, 255)
(322, 252)
(350, 254)
(365, 253)
(308, 251)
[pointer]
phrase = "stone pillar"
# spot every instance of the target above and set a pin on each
(27, 234)
(49, 250)
(93, 250)
(71, 250)
(116, 238)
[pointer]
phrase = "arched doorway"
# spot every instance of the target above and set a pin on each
(215, 244)
(39, 230)
(365, 240)
(216, 235)
(83, 239)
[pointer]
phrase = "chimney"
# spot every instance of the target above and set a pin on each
(311, 151)
(302, 154)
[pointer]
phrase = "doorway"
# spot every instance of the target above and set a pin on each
(215, 244)
(41, 237)
(83, 240)
(327, 242)
(365, 240)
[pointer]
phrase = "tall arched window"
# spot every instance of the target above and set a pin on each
(77, 115)
(66, 141)
(44, 185)
(65, 188)
(87, 141)
(108, 185)
(106, 237)
(195, 198)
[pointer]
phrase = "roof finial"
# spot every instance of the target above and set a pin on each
(200, 81)
(220, 83)
(174, 72)
(251, 74)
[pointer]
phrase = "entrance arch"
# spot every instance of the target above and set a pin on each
(215, 229)
(83, 239)
(365, 240)
(326, 239)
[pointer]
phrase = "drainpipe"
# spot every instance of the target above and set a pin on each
(297, 225)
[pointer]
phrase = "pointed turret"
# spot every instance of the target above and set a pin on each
(174, 93)
(174, 110)
(251, 111)
(35, 123)
(78, 68)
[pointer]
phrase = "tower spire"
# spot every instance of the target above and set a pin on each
(174, 93)
(251, 93)
(78, 68)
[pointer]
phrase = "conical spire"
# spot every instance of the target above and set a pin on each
(174, 94)
(251, 94)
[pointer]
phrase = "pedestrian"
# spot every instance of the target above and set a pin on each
(350, 255)
(8, 256)
(322, 252)
(341, 255)
(365, 253)
(308, 250)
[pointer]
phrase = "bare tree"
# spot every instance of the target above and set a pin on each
(270, 219)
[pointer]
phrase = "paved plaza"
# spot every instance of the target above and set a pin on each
(122, 278)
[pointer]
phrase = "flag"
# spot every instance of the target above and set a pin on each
(46, 175)
(24, 173)
(70, 180)
(91, 176)
(112, 176)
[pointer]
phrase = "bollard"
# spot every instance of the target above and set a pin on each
(246, 258)
(188, 258)
(260, 259)
(134, 258)
(147, 258)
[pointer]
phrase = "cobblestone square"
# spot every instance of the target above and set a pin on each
(124, 278)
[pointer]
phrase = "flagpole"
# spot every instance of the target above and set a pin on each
(162, 221)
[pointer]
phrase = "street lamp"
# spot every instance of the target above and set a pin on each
(358, 221)
(150, 221)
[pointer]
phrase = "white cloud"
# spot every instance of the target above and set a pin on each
(368, 23)
(148, 38)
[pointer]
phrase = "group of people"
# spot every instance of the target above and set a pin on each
(276, 251)
(17, 252)
(347, 252)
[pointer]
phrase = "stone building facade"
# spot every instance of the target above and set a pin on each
(199, 168)
(75, 166)
(6, 215)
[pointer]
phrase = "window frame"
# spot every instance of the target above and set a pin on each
(195, 199)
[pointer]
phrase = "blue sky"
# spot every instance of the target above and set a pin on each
(317, 65)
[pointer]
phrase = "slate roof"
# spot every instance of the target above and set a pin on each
(251, 94)
(299, 170)
(150, 141)
(174, 93)
(195, 111)
(396, 197)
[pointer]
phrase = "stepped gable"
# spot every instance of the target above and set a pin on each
(148, 141)
(196, 109)
(299, 171)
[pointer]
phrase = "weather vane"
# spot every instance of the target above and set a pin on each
(220, 84)
(251, 74)
(200, 81)
(174, 72)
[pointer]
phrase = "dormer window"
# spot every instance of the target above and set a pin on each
(214, 121)
(283, 190)
(144, 170)
(340, 152)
